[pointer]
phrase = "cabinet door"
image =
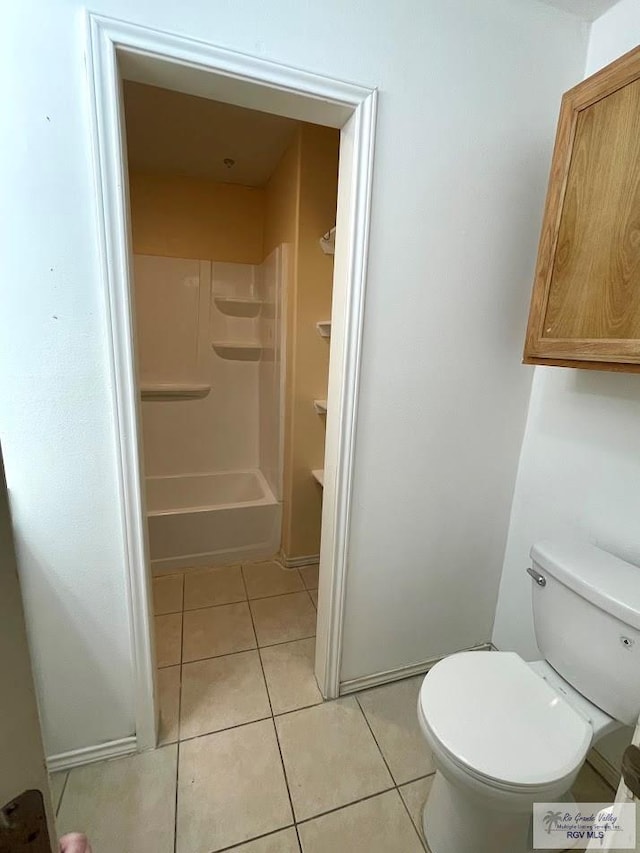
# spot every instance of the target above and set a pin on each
(585, 309)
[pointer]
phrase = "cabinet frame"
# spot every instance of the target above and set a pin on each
(617, 354)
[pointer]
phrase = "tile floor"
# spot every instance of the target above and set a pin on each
(251, 759)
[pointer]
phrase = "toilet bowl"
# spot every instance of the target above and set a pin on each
(506, 734)
(502, 739)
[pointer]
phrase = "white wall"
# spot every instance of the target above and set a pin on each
(468, 104)
(579, 472)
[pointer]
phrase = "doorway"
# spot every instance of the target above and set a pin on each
(121, 51)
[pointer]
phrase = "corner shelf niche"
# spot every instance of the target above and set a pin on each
(238, 350)
(320, 406)
(318, 476)
(324, 328)
(238, 306)
(173, 390)
(328, 242)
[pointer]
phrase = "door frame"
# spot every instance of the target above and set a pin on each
(119, 50)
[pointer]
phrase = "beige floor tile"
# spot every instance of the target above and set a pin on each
(168, 639)
(314, 597)
(377, 825)
(330, 757)
(126, 804)
(590, 787)
(57, 783)
(217, 631)
(207, 587)
(222, 692)
(167, 594)
(284, 618)
(169, 700)
(288, 669)
(415, 796)
(264, 579)
(231, 788)
(310, 576)
(392, 715)
(279, 842)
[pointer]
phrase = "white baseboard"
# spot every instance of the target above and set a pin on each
(353, 685)
(298, 562)
(604, 768)
(91, 754)
(263, 552)
(216, 559)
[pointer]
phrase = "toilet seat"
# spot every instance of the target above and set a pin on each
(523, 734)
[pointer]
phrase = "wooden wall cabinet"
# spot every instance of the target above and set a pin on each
(585, 308)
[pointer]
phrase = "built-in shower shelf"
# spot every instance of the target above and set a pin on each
(324, 328)
(238, 300)
(318, 475)
(320, 406)
(173, 390)
(328, 242)
(238, 350)
(238, 306)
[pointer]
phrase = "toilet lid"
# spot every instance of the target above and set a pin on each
(492, 714)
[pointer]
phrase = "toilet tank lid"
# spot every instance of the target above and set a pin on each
(606, 581)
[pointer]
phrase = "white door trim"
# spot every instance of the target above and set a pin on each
(117, 48)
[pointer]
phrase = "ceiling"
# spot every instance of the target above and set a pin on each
(588, 10)
(172, 132)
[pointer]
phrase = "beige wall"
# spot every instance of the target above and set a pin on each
(183, 217)
(300, 206)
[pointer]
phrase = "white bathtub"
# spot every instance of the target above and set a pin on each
(211, 519)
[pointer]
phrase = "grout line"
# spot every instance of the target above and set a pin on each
(223, 655)
(255, 838)
(397, 784)
(346, 805)
(301, 708)
(270, 716)
(375, 740)
(180, 704)
(221, 731)
(284, 642)
(175, 815)
(64, 788)
(246, 600)
(296, 824)
(253, 628)
(417, 779)
(273, 723)
(406, 808)
(286, 780)
(238, 652)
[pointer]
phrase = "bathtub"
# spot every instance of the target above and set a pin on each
(211, 519)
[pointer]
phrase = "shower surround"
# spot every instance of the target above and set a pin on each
(210, 362)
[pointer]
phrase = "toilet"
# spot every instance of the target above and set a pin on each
(506, 733)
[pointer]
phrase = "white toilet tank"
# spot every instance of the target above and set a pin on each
(586, 611)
